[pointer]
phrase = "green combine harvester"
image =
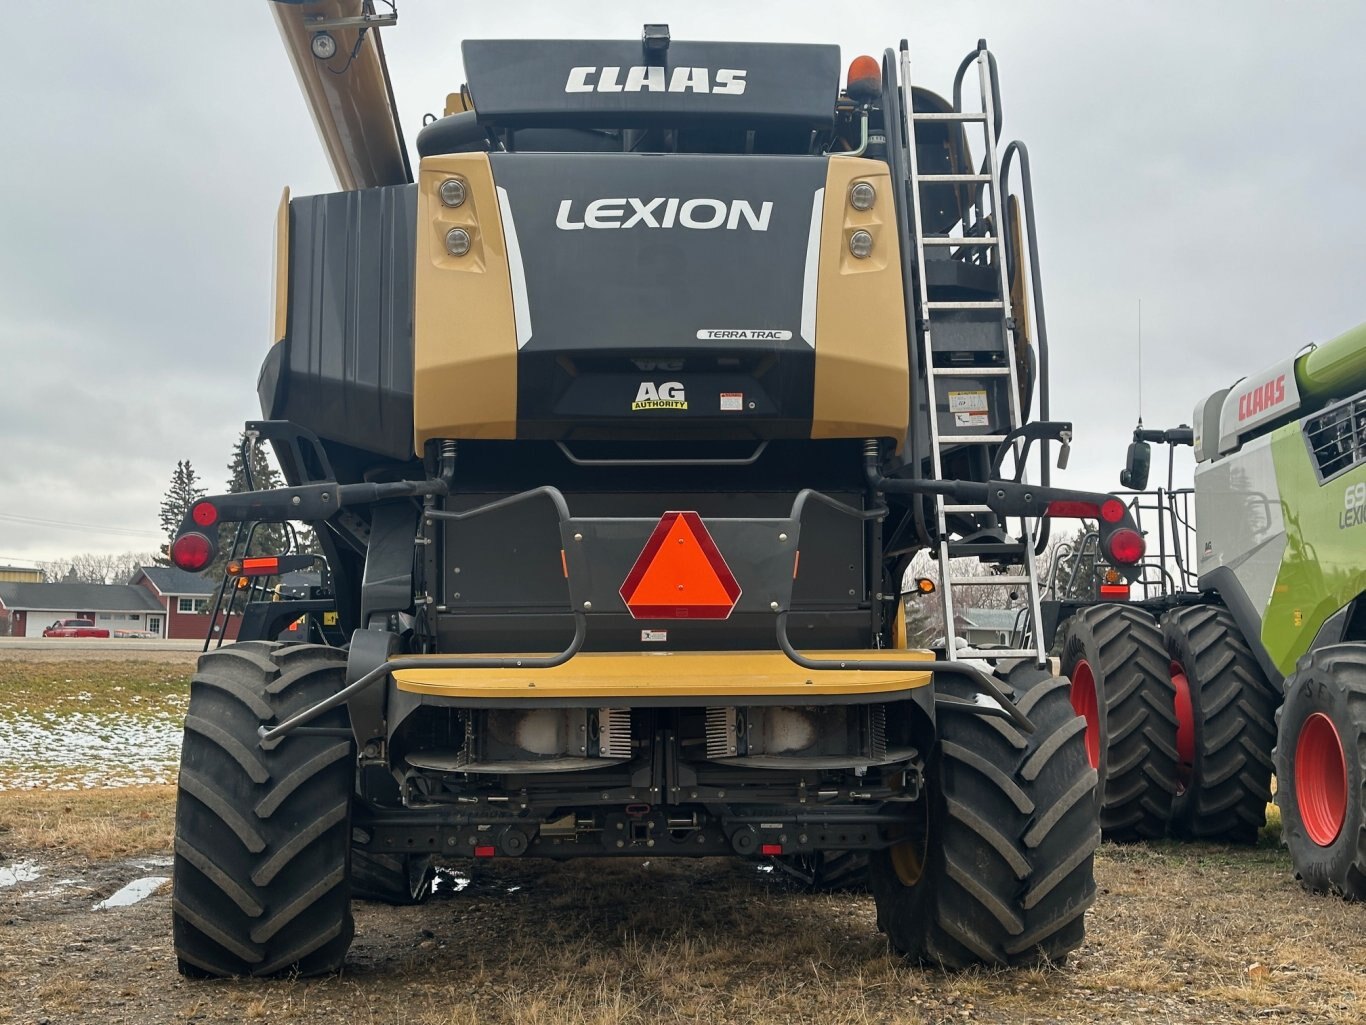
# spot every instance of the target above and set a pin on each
(1195, 695)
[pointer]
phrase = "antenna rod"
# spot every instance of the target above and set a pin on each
(1140, 360)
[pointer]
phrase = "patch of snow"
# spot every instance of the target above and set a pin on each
(138, 889)
(19, 872)
(79, 750)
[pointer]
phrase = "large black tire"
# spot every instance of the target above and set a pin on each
(262, 842)
(827, 871)
(1226, 739)
(1114, 657)
(1321, 770)
(399, 879)
(996, 865)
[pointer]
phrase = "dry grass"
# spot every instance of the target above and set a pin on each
(116, 823)
(1178, 934)
(1194, 933)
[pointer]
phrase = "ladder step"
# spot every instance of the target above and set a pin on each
(962, 653)
(986, 549)
(960, 508)
(969, 371)
(937, 178)
(948, 240)
(954, 115)
(971, 439)
(1004, 578)
(960, 304)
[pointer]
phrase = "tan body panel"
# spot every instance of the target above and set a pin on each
(862, 387)
(725, 675)
(464, 332)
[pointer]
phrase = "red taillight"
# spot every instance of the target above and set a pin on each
(1126, 547)
(1114, 592)
(485, 851)
(204, 514)
(192, 552)
(1112, 510)
(771, 849)
(1074, 510)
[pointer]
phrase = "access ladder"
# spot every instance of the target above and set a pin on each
(980, 239)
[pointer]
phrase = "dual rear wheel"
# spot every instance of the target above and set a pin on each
(1180, 722)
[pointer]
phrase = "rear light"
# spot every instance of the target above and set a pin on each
(192, 552)
(1112, 510)
(865, 79)
(1114, 592)
(485, 851)
(1125, 546)
(771, 849)
(265, 567)
(1074, 510)
(204, 514)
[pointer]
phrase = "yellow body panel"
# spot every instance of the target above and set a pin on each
(464, 333)
(862, 387)
(280, 282)
(725, 675)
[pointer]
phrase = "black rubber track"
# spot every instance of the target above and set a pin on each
(1012, 831)
(262, 843)
(1332, 682)
(827, 871)
(1233, 709)
(1135, 717)
(398, 879)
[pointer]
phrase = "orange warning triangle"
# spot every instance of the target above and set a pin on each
(680, 574)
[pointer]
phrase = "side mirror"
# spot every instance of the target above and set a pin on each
(1134, 476)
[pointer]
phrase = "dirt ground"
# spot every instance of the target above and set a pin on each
(1179, 933)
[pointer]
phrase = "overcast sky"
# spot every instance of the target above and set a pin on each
(1204, 158)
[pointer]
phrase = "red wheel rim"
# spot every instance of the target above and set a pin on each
(1185, 725)
(1086, 705)
(1321, 779)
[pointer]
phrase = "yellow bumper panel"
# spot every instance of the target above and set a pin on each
(686, 675)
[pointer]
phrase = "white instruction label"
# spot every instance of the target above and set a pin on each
(732, 401)
(654, 636)
(969, 408)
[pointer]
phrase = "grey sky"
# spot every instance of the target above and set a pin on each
(1206, 158)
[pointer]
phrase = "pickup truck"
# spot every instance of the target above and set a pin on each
(75, 628)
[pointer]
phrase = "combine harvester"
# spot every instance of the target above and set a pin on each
(1255, 640)
(619, 419)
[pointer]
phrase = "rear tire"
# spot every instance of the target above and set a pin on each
(398, 879)
(1321, 770)
(1226, 743)
(996, 865)
(827, 871)
(1114, 657)
(262, 842)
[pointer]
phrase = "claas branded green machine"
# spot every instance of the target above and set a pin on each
(619, 416)
(1194, 696)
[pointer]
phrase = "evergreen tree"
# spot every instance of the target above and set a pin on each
(183, 492)
(268, 538)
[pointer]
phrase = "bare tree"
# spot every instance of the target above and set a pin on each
(96, 567)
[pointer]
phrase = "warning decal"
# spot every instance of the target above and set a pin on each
(969, 408)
